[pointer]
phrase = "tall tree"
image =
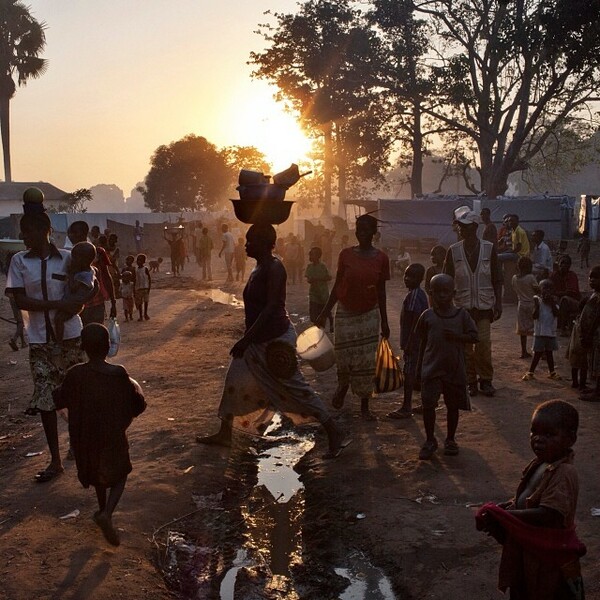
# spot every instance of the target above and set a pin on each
(323, 61)
(186, 175)
(508, 74)
(22, 39)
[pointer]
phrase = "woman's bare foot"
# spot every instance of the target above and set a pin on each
(217, 439)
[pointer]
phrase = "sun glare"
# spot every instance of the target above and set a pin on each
(265, 125)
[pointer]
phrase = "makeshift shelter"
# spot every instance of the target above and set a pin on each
(412, 222)
(428, 221)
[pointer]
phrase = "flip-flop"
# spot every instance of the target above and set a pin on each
(450, 448)
(337, 451)
(47, 475)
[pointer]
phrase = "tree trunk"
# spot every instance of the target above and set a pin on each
(416, 175)
(5, 130)
(327, 168)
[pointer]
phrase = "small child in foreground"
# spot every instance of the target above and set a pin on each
(80, 288)
(413, 306)
(541, 551)
(545, 318)
(525, 286)
(444, 330)
(102, 401)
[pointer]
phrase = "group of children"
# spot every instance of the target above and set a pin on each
(136, 283)
(537, 315)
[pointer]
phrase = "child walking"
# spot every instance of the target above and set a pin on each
(143, 283)
(525, 286)
(127, 293)
(102, 401)
(444, 330)
(317, 276)
(545, 318)
(413, 306)
(540, 549)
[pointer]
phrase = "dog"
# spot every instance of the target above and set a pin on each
(155, 265)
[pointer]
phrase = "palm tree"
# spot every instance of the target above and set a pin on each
(22, 38)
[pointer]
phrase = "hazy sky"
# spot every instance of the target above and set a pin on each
(125, 76)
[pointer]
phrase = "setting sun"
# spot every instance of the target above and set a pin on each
(264, 124)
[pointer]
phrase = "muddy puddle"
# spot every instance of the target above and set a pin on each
(247, 543)
(221, 297)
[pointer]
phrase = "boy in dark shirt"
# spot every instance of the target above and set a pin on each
(444, 330)
(413, 306)
(102, 400)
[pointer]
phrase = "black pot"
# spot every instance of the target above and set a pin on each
(247, 177)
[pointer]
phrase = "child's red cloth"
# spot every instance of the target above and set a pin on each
(554, 546)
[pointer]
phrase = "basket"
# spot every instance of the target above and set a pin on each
(254, 212)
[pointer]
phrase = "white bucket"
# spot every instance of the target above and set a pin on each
(316, 349)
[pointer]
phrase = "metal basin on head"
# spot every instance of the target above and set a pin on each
(254, 212)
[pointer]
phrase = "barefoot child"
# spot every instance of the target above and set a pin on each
(413, 306)
(102, 401)
(143, 283)
(545, 318)
(127, 293)
(444, 330)
(525, 286)
(80, 287)
(540, 555)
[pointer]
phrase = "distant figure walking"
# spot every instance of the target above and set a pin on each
(227, 250)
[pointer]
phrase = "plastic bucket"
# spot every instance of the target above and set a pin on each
(316, 349)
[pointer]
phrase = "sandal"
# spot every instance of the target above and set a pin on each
(450, 448)
(528, 376)
(428, 450)
(400, 414)
(48, 475)
(555, 376)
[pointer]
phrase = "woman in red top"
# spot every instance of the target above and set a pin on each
(359, 292)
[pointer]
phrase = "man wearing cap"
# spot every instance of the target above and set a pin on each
(473, 264)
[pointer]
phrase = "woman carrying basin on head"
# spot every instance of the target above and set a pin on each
(263, 377)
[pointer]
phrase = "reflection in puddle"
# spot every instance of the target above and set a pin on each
(366, 581)
(248, 540)
(222, 297)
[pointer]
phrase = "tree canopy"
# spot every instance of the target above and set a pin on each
(22, 39)
(192, 174)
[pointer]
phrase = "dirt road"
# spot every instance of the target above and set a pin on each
(417, 521)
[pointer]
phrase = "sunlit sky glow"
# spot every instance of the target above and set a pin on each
(127, 76)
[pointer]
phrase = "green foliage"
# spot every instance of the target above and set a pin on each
(22, 39)
(74, 202)
(192, 174)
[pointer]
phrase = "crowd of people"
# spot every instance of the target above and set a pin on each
(445, 337)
